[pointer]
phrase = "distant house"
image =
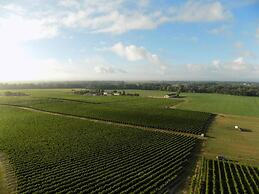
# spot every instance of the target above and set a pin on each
(172, 95)
(116, 94)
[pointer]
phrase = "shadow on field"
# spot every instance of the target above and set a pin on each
(245, 130)
(210, 137)
(181, 97)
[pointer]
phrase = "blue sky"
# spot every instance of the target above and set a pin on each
(129, 40)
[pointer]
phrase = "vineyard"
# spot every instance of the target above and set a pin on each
(141, 111)
(44, 152)
(53, 154)
(214, 176)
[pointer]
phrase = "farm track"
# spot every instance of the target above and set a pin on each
(8, 181)
(103, 121)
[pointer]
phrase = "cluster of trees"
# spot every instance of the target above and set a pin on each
(239, 89)
(233, 88)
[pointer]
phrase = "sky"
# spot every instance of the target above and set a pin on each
(55, 40)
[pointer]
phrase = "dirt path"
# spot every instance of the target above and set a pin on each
(102, 121)
(8, 183)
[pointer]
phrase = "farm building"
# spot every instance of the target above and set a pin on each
(117, 94)
(172, 95)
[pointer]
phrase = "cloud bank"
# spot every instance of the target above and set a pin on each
(134, 53)
(102, 16)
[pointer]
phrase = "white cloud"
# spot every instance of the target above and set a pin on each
(17, 26)
(236, 70)
(12, 8)
(134, 53)
(118, 23)
(100, 65)
(216, 62)
(200, 11)
(20, 29)
(238, 64)
(69, 3)
(216, 65)
(117, 19)
(111, 21)
(17, 65)
(102, 16)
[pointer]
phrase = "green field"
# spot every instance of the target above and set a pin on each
(239, 173)
(224, 139)
(216, 176)
(142, 111)
(220, 103)
(56, 154)
(114, 144)
(215, 103)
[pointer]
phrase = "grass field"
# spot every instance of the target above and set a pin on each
(240, 173)
(220, 103)
(55, 154)
(213, 103)
(232, 143)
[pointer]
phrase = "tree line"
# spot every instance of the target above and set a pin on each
(232, 88)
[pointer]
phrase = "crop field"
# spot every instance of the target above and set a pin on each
(142, 111)
(54, 141)
(55, 154)
(216, 176)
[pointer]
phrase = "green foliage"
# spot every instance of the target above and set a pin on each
(226, 177)
(142, 111)
(53, 154)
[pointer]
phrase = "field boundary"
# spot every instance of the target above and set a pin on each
(110, 122)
